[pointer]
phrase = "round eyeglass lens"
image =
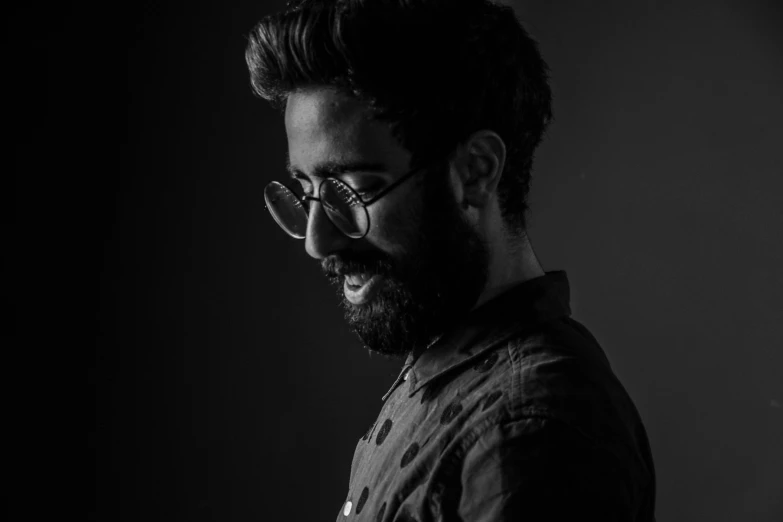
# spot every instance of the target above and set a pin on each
(344, 208)
(287, 209)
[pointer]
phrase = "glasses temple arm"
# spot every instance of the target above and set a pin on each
(393, 186)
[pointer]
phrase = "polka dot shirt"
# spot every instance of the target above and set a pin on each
(514, 414)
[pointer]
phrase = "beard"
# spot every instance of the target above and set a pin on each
(442, 275)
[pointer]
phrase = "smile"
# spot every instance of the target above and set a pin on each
(360, 289)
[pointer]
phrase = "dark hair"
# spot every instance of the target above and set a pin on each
(436, 70)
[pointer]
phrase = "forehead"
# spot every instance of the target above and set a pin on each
(324, 125)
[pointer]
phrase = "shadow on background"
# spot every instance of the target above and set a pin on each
(226, 385)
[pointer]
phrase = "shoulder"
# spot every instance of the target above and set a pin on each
(555, 376)
(544, 409)
(560, 371)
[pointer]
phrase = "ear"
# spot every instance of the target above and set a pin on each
(477, 168)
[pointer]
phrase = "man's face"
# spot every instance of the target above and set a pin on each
(431, 264)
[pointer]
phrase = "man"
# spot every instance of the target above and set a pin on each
(411, 129)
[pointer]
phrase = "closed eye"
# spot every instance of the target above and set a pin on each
(367, 194)
(306, 186)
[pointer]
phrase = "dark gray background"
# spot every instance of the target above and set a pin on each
(225, 384)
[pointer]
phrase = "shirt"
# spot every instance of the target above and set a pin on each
(512, 414)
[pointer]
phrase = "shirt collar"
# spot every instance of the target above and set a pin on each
(539, 299)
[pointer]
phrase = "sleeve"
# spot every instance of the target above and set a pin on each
(541, 469)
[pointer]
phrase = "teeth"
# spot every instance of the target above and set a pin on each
(357, 279)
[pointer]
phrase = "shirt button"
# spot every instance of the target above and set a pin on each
(347, 509)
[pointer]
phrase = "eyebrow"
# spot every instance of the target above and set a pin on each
(332, 169)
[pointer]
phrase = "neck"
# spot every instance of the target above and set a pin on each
(512, 263)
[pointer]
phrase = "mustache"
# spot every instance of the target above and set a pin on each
(337, 266)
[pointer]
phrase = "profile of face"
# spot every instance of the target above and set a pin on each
(431, 265)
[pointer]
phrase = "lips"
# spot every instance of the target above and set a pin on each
(364, 292)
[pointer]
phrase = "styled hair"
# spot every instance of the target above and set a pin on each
(435, 70)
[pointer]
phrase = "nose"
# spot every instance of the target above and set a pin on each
(323, 237)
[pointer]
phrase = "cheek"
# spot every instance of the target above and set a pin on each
(395, 224)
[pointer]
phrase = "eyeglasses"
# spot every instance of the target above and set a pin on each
(342, 204)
